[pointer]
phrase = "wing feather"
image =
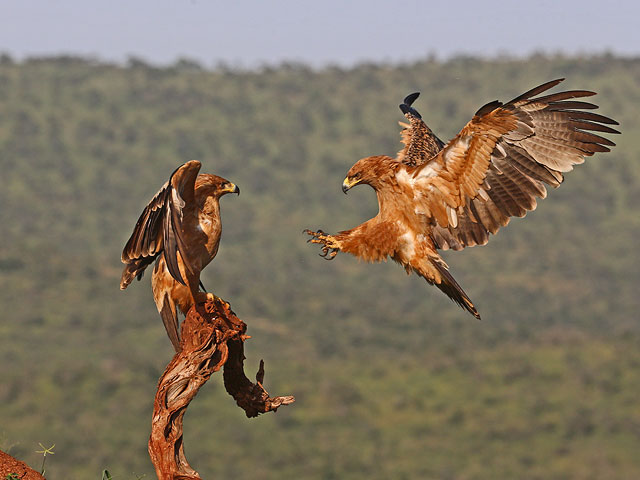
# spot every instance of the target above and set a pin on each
(158, 230)
(499, 163)
(137, 245)
(420, 143)
(536, 90)
(575, 104)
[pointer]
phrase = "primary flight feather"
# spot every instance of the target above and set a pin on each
(434, 196)
(180, 230)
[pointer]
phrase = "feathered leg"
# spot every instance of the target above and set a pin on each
(372, 241)
(201, 296)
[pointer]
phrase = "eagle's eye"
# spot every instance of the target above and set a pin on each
(357, 176)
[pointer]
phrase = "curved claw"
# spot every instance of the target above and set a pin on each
(312, 234)
(329, 253)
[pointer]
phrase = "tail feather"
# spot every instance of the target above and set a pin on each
(451, 289)
(169, 316)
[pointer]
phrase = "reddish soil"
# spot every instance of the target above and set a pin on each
(9, 465)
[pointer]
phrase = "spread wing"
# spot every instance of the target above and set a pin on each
(420, 143)
(499, 163)
(158, 230)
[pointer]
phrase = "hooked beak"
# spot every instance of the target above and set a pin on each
(232, 188)
(348, 183)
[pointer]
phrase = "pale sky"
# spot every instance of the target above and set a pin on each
(320, 32)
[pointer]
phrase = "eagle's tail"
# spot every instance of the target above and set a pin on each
(451, 288)
(169, 315)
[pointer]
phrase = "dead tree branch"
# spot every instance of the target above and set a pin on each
(212, 337)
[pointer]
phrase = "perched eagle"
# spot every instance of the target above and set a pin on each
(180, 229)
(434, 196)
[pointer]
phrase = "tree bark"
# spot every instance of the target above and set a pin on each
(212, 337)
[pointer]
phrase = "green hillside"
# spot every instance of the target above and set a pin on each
(392, 380)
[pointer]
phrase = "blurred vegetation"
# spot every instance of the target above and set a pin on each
(392, 379)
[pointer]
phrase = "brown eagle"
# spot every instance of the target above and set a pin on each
(434, 196)
(180, 230)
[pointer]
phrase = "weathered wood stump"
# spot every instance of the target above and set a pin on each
(212, 338)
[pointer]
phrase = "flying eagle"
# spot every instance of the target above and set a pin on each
(180, 229)
(434, 196)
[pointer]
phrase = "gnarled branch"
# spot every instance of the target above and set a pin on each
(212, 337)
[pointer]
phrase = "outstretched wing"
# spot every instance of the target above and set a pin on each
(499, 163)
(158, 230)
(420, 143)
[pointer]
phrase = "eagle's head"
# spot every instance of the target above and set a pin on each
(371, 171)
(214, 186)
